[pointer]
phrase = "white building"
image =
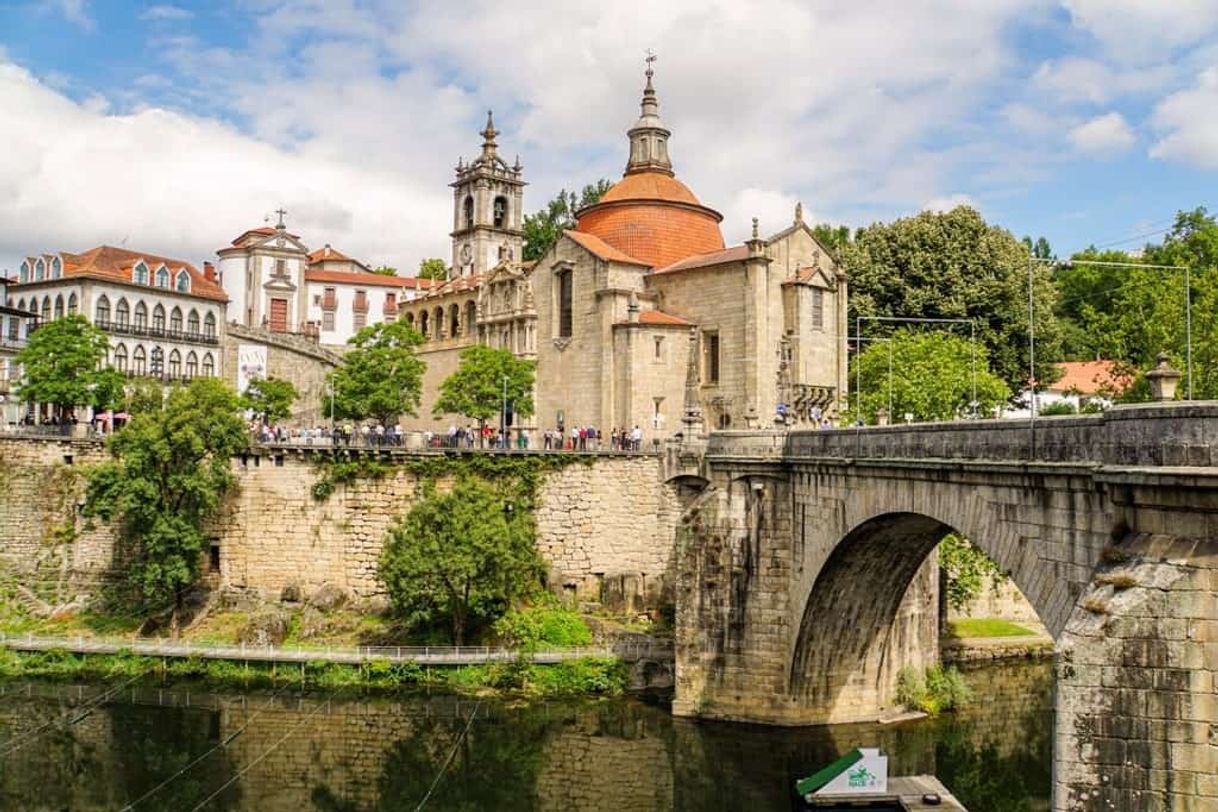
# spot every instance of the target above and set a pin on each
(163, 316)
(15, 327)
(274, 282)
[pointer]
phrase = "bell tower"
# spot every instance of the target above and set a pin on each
(488, 198)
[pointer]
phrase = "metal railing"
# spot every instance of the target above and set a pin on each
(629, 651)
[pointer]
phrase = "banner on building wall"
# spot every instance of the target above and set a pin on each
(251, 364)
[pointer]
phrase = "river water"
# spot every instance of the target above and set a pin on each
(177, 746)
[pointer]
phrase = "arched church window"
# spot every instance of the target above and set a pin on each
(56, 268)
(183, 282)
(46, 309)
(103, 311)
(192, 323)
(162, 277)
(192, 365)
(175, 364)
(158, 319)
(139, 361)
(500, 212)
(565, 294)
(59, 306)
(209, 325)
(438, 322)
(40, 270)
(25, 271)
(122, 313)
(469, 212)
(175, 320)
(141, 316)
(423, 324)
(73, 304)
(471, 315)
(454, 321)
(209, 366)
(140, 273)
(156, 362)
(120, 358)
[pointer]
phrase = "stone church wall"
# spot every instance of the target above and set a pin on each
(290, 358)
(604, 529)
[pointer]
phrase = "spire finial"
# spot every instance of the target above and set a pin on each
(281, 214)
(650, 60)
(488, 135)
(799, 212)
(756, 232)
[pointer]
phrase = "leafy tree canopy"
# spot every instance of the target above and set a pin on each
(831, 236)
(270, 399)
(476, 389)
(543, 228)
(954, 265)
(62, 362)
(461, 557)
(1130, 315)
(170, 470)
(433, 268)
(967, 569)
(929, 374)
(1039, 249)
(381, 377)
(385, 270)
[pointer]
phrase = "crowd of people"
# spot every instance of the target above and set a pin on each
(375, 435)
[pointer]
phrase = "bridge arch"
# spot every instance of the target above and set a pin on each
(860, 622)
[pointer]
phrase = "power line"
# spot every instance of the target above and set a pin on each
(444, 768)
(263, 755)
(74, 716)
(222, 743)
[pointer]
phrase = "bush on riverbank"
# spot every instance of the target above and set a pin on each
(588, 676)
(936, 690)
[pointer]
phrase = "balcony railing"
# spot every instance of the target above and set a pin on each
(157, 332)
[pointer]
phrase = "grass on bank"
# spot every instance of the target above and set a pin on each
(986, 627)
(589, 676)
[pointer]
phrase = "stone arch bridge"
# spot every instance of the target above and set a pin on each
(802, 579)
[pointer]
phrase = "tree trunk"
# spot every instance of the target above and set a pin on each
(458, 628)
(175, 619)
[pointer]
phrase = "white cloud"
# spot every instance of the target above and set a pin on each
(74, 11)
(166, 13)
(183, 186)
(1075, 79)
(1138, 30)
(1103, 135)
(949, 202)
(1188, 120)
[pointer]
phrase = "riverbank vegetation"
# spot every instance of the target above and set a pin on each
(933, 691)
(588, 676)
(968, 627)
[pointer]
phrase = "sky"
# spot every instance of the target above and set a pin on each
(172, 128)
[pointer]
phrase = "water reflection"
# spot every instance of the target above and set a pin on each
(344, 755)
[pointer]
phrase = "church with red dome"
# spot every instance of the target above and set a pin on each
(641, 315)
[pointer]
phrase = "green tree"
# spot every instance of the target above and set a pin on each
(477, 388)
(171, 468)
(270, 399)
(1039, 249)
(381, 377)
(967, 569)
(543, 228)
(385, 270)
(62, 366)
(929, 375)
(831, 236)
(433, 268)
(956, 266)
(463, 556)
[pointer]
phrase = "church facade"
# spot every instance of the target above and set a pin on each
(640, 315)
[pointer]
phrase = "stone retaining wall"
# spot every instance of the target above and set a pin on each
(605, 528)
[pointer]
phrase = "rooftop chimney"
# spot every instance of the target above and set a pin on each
(209, 272)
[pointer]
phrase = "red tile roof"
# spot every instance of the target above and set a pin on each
(117, 265)
(1091, 378)
(602, 249)
(373, 279)
(328, 254)
(659, 317)
(264, 231)
(653, 217)
(736, 253)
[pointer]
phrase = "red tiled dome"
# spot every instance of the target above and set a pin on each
(653, 217)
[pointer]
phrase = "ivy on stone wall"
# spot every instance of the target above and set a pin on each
(523, 472)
